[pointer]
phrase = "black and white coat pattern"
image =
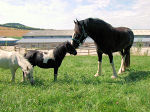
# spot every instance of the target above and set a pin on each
(52, 58)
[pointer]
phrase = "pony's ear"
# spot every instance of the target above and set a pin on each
(67, 43)
(74, 22)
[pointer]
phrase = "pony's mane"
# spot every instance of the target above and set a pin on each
(22, 61)
(60, 50)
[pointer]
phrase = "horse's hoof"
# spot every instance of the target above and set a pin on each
(113, 77)
(32, 83)
(119, 73)
(55, 80)
(97, 74)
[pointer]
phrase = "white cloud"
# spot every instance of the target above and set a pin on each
(100, 3)
(47, 14)
(59, 14)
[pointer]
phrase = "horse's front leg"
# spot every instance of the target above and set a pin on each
(99, 70)
(55, 73)
(13, 74)
(113, 67)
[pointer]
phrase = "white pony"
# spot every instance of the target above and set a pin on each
(12, 61)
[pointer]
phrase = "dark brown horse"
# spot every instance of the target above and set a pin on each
(107, 38)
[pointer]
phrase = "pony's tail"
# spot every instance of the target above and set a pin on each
(127, 59)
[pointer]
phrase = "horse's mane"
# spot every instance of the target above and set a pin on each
(60, 50)
(95, 21)
(22, 62)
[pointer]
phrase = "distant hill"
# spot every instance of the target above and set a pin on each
(12, 32)
(19, 26)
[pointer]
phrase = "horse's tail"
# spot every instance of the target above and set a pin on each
(127, 50)
(127, 58)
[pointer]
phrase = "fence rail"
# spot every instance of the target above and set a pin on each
(85, 49)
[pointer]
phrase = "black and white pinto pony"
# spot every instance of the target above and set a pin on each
(51, 58)
(107, 38)
(14, 60)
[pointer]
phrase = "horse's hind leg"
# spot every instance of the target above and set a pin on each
(122, 66)
(125, 62)
(55, 73)
(112, 64)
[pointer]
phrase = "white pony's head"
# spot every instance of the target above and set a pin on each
(26, 68)
(28, 73)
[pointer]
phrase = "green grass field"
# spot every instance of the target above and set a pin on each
(77, 90)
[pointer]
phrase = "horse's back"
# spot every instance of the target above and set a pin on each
(109, 38)
(7, 59)
(126, 33)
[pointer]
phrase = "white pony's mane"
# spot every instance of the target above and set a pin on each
(24, 64)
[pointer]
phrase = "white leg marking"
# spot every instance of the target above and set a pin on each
(99, 71)
(122, 67)
(114, 71)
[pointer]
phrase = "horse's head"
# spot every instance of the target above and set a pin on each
(79, 34)
(70, 49)
(28, 73)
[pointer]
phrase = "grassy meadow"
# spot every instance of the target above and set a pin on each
(77, 90)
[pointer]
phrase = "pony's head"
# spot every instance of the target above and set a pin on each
(79, 34)
(70, 49)
(28, 73)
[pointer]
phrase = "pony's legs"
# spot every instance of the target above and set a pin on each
(55, 74)
(99, 70)
(23, 79)
(112, 64)
(13, 74)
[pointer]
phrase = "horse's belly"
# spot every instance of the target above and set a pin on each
(46, 65)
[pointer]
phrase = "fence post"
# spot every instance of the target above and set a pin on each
(88, 52)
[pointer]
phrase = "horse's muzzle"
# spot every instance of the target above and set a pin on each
(75, 53)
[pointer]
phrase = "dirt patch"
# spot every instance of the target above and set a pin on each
(12, 32)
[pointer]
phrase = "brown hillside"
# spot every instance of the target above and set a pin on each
(12, 32)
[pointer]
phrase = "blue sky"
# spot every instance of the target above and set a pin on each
(59, 14)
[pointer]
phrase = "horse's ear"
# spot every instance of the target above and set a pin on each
(75, 22)
(78, 22)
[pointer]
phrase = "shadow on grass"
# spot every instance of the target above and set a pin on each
(132, 77)
(135, 76)
(38, 82)
(81, 80)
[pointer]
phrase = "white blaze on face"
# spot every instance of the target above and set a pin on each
(72, 38)
(48, 55)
